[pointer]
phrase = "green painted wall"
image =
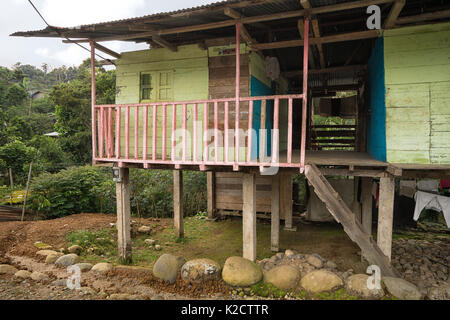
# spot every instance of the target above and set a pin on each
(190, 81)
(417, 76)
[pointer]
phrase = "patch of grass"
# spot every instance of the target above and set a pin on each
(100, 242)
(339, 294)
(265, 290)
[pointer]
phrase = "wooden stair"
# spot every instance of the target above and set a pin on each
(343, 215)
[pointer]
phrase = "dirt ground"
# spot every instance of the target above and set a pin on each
(216, 240)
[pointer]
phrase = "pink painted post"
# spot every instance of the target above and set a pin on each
(98, 113)
(194, 124)
(93, 96)
(109, 134)
(289, 141)
(238, 94)
(205, 132)
(145, 132)
(118, 124)
(164, 137)
(184, 132)
(174, 128)
(154, 132)
(276, 133)
(250, 131)
(136, 132)
(216, 131)
(127, 132)
(305, 95)
(226, 131)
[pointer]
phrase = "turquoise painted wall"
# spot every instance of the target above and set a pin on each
(258, 88)
(376, 113)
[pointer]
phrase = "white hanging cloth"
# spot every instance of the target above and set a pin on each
(432, 201)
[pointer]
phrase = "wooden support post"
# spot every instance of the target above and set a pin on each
(286, 197)
(366, 201)
(385, 215)
(249, 216)
(123, 215)
(210, 185)
(178, 203)
(275, 214)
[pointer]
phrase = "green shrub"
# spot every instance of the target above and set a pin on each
(68, 191)
(91, 189)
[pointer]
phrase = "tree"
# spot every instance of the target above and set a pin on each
(17, 156)
(73, 109)
(15, 96)
(19, 129)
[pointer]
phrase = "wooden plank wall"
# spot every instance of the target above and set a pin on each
(417, 64)
(229, 191)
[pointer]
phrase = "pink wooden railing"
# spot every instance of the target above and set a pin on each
(107, 126)
(109, 123)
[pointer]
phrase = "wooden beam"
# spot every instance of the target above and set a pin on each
(233, 14)
(275, 214)
(165, 43)
(211, 190)
(326, 39)
(106, 50)
(295, 73)
(123, 215)
(178, 203)
(424, 17)
(393, 14)
(385, 215)
(246, 20)
(249, 216)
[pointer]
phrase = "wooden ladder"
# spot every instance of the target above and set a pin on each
(343, 215)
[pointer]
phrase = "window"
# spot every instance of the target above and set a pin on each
(156, 86)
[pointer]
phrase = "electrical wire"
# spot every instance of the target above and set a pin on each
(63, 36)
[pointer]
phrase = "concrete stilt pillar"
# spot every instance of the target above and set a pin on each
(366, 204)
(386, 215)
(123, 214)
(275, 214)
(178, 203)
(249, 216)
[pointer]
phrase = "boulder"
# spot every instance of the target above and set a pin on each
(289, 253)
(46, 253)
(7, 269)
(241, 272)
(144, 229)
(67, 260)
(314, 261)
(150, 242)
(357, 285)
(320, 280)
(23, 274)
(167, 266)
(198, 270)
(51, 258)
(84, 267)
(42, 246)
(102, 267)
(401, 289)
(158, 247)
(39, 276)
(75, 249)
(284, 277)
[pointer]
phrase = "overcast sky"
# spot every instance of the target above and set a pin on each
(18, 15)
